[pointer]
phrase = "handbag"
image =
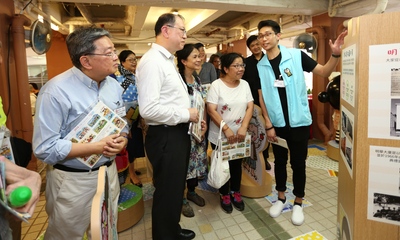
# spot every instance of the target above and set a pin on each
(219, 171)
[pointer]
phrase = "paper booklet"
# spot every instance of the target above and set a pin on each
(5, 144)
(281, 142)
(3, 198)
(236, 150)
(100, 122)
(195, 128)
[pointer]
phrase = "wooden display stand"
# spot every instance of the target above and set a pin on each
(332, 150)
(256, 182)
(354, 181)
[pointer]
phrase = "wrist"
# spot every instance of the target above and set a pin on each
(224, 128)
(336, 55)
(267, 129)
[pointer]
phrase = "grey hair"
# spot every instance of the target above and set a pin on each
(81, 42)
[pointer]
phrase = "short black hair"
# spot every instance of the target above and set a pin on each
(198, 45)
(251, 39)
(124, 55)
(165, 19)
(227, 60)
(269, 23)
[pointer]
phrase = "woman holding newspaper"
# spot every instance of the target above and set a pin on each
(229, 99)
(189, 61)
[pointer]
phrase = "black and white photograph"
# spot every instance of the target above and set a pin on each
(386, 207)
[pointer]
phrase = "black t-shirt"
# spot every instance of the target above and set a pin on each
(308, 64)
(252, 77)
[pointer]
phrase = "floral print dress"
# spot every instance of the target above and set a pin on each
(198, 164)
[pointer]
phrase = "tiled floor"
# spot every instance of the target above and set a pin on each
(210, 222)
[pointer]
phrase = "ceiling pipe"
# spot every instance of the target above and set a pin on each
(21, 102)
(332, 8)
(380, 7)
(320, 108)
(62, 29)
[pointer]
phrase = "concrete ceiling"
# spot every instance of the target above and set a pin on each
(212, 22)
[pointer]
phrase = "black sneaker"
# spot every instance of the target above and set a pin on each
(236, 199)
(226, 203)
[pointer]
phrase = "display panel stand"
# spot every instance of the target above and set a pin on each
(367, 57)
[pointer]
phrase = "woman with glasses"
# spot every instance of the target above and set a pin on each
(135, 148)
(188, 61)
(229, 98)
(214, 59)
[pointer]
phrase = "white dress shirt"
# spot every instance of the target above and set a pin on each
(163, 96)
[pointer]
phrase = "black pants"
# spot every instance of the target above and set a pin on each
(235, 169)
(191, 184)
(297, 140)
(168, 150)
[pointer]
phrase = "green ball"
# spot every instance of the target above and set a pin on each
(20, 196)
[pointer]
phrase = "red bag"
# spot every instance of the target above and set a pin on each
(122, 160)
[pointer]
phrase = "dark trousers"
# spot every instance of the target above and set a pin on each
(191, 184)
(168, 150)
(235, 169)
(297, 140)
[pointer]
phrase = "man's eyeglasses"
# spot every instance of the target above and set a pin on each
(111, 54)
(131, 60)
(265, 35)
(238, 66)
(182, 29)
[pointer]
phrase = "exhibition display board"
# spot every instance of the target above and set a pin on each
(369, 164)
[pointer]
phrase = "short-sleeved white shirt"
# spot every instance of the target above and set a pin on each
(231, 105)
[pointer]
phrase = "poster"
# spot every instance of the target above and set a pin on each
(348, 78)
(384, 185)
(254, 165)
(347, 139)
(384, 91)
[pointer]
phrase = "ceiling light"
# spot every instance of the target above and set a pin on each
(54, 27)
(175, 12)
(40, 18)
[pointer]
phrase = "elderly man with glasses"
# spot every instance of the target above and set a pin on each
(165, 105)
(61, 104)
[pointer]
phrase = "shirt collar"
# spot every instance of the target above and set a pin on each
(83, 77)
(163, 50)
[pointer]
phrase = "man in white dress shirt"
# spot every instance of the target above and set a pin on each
(164, 104)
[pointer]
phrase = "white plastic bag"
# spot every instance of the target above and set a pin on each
(219, 171)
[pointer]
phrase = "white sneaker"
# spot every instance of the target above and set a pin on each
(277, 208)
(297, 215)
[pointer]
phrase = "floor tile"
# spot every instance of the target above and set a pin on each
(210, 222)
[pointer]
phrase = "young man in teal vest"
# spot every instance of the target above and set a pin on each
(286, 108)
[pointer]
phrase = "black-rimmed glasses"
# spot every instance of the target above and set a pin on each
(262, 36)
(238, 66)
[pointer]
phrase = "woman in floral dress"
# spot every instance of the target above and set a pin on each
(188, 61)
(229, 98)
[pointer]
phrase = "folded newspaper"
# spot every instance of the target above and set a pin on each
(100, 122)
